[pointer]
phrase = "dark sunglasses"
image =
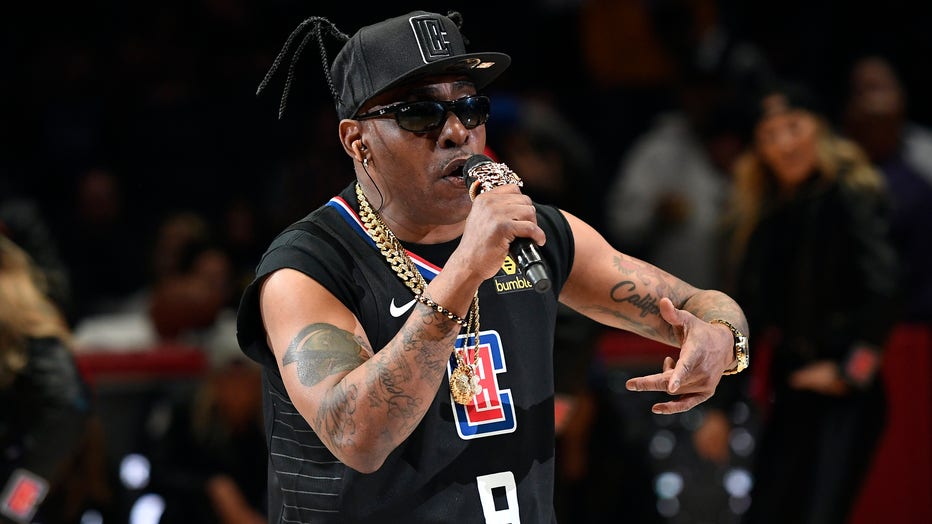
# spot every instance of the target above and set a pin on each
(426, 115)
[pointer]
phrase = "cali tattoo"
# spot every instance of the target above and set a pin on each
(642, 292)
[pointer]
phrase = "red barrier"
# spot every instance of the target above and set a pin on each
(899, 485)
(163, 361)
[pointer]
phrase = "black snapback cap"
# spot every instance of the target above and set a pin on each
(401, 49)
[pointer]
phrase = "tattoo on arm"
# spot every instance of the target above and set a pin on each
(335, 418)
(321, 350)
(641, 289)
(626, 291)
(431, 361)
(391, 391)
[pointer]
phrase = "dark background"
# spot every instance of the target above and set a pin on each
(163, 93)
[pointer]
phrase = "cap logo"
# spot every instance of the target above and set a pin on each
(432, 38)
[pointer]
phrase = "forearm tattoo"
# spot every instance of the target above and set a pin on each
(626, 291)
(392, 381)
(335, 418)
(390, 390)
(394, 378)
(430, 347)
(638, 295)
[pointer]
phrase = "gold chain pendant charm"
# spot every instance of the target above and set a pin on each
(461, 385)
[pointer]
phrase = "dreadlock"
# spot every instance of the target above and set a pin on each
(318, 26)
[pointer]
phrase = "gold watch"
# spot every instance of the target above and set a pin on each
(741, 347)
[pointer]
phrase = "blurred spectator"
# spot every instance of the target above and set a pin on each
(51, 459)
(207, 461)
(244, 232)
(876, 118)
(101, 245)
(665, 204)
(553, 159)
(817, 278)
(22, 221)
(188, 299)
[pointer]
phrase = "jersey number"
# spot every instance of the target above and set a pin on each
(499, 496)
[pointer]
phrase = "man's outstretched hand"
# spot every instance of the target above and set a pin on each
(706, 350)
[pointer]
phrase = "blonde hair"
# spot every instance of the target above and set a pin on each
(754, 182)
(25, 309)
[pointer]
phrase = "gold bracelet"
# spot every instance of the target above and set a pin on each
(423, 299)
(740, 348)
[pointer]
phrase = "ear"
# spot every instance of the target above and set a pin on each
(351, 138)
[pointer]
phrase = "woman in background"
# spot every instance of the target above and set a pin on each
(816, 274)
(45, 419)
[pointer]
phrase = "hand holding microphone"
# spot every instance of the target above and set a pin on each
(481, 174)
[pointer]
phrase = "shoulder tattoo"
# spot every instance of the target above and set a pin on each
(321, 350)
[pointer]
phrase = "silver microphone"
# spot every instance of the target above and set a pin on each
(481, 174)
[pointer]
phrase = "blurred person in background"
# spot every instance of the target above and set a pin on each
(100, 243)
(186, 300)
(50, 442)
(876, 118)
(665, 204)
(208, 461)
(22, 222)
(817, 275)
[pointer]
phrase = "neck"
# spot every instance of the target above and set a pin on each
(409, 231)
(408, 224)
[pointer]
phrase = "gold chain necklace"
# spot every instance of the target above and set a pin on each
(464, 380)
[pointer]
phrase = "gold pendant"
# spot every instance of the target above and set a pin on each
(461, 385)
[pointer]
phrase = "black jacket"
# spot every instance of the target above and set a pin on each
(820, 272)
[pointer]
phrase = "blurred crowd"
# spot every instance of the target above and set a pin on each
(141, 180)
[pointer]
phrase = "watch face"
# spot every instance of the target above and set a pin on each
(741, 348)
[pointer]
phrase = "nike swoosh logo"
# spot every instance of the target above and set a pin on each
(398, 311)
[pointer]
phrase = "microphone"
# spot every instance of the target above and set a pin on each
(481, 174)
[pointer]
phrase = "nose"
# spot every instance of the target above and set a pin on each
(453, 133)
(785, 141)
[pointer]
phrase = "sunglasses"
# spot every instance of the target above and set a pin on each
(426, 115)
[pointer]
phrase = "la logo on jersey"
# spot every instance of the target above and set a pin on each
(492, 411)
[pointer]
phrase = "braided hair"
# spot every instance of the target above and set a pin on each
(319, 28)
(318, 25)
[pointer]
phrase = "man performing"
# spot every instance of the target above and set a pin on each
(407, 356)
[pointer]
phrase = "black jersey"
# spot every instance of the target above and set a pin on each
(491, 461)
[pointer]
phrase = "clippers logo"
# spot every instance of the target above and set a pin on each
(432, 38)
(492, 411)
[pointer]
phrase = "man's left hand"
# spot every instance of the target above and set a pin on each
(706, 350)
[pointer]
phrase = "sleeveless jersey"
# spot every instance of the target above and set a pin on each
(491, 461)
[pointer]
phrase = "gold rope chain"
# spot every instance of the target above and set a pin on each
(464, 380)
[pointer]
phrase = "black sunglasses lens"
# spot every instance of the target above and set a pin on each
(423, 116)
(472, 111)
(420, 117)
